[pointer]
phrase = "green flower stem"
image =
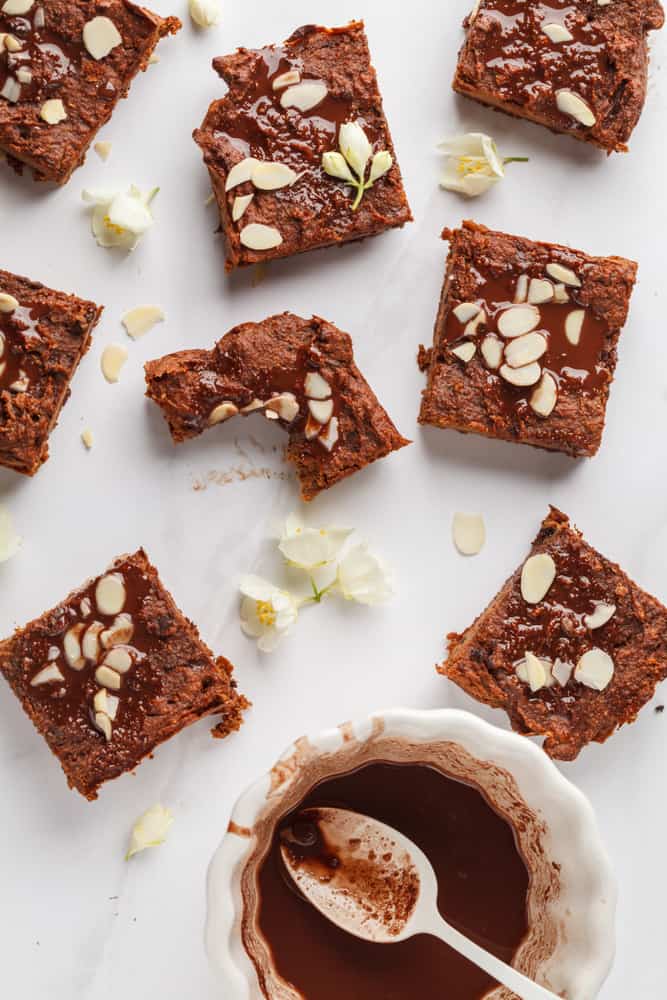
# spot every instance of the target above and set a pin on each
(318, 595)
(516, 159)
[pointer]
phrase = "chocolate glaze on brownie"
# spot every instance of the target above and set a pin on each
(250, 121)
(484, 659)
(106, 684)
(59, 65)
(493, 272)
(510, 62)
(268, 367)
(41, 344)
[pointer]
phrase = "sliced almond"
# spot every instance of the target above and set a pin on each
(103, 150)
(305, 95)
(47, 675)
(2, 343)
(563, 274)
(285, 405)
(316, 387)
(114, 357)
(257, 236)
(524, 350)
(466, 311)
(110, 594)
(120, 632)
(86, 607)
(603, 613)
(537, 675)
(537, 576)
(11, 90)
(329, 436)
(557, 33)
(108, 678)
(21, 384)
(100, 701)
(141, 320)
(595, 669)
(517, 320)
(469, 533)
(560, 294)
(24, 75)
(271, 415)
(222, 412)
(312, 428)
(256, 404)
(118, 659)
(321, 410)
(8, 303)
(540, 290)
(572, 104)
(103, 723)
(522, 377)
(474, 324)
(521, 291)
(72, 647)
(17, 6)
(545, 396)
(112, 706)
(492, 351)
(53, 111)
(100, 36)
(465, 352)
(287, 79)
(88, 438)
(272, 176)
(573, 325)
(562, 671)
(240, 173)
(90, 645)
(240, 206)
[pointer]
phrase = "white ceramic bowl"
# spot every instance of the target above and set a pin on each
(572, 899)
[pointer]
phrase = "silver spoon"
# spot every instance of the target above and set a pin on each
(374, 883)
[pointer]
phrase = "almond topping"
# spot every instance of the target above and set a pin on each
(526, 349)
(7, 304)
(563, 274)
(321, 410)
(574, 324)
(557, 33)
(257, 236)
(240, 173)
(572, 104)
(545, 396)
(285, 405)
(492, 351)
(517, 320)
(469, 533)
(305, 95)
(100, 36)
(108, 678)
(522, 377)
(47, 675)
(603, 613)
(521, 291)
(329, 436)
(240, 206)
(465, 352)
(53, 111)
(466, 311)
(72, 647)
(103, 723)
(118, 659)
(595, 669)
(223, 411)
(110, 594)
(316, 386)
(537, 576)
(286, 79)
(272, 176)
(540, 290)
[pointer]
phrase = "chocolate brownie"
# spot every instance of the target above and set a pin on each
(43, 336)
(298, 372)
(525, 340)
(571, 648)
(264, 144)
(115, 670)
(64, 65)
(577, 66)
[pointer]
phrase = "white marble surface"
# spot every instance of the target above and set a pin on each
(78, 923)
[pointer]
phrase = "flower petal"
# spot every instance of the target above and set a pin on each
(130, 212)
(150, 830)
(382, 164)
(355, 147)
(364, 578)
(257, 588)
(310, 548)
(492, 157)
(468, 144)
(335, 165)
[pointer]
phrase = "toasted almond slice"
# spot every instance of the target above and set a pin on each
(90, 646)
(240, 173)
(537, 675)
(100, 36)
(47, 675)
(522, 377)
(466, 311)
(240, 206)
(524, 350)
(521, 291)
(86, 607)
(140, 320)
(53, 111)
(469, 533)
(103, 723)
(563, 274)
(287, 79)
(8, 303)
(557, 33)
(537, 576)
(271, 415)
(305, 95)
(465, 352)
(472, 327)
(560, 294)
(316, 386)
(118, 659)
(120, 632)
(103, 150)
(562, 671)
(87, 437)
(330, 435)
(603, 613)
(17, 6)
(222, 412)
(72, 647)
(572, 104)
(269, 176)
(545, 396)
(24, 75)
(114, 357)
(257, 236)
(110, 594)
(492, 351)
(108, 678)
(12, 43)
(285, 405)
(11, 89)
(540, 290)
(573, 325)
(321, 410)
(112, 706)
(100, 700)
(20, 384)
(595, 669)
(517, 320)
(312, 428)
(256, 404)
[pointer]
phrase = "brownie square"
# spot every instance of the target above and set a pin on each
(577, 66)
(49, 59)
(297, 372)
(43, 336)
(115, 670)
(525, 340)
(600, 642)
(286, 105)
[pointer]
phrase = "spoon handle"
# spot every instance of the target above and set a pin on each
(503, 973)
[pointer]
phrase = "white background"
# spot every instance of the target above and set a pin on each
(76, 921)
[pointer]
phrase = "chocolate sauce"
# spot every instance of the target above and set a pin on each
(526, 67)
(21, 346)
(483, 885)
(45, 52)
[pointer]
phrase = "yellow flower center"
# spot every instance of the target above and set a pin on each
(266, 613)
(112, 226)
(472, 165)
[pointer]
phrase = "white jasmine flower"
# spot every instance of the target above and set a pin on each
(150, 830)
(10, 542)
(205, 13)
(351, 164)
(364, 578)
(267, 612)
(355, 147)
(120, 219)
(473, 163)
(311, 548)
(335, 165)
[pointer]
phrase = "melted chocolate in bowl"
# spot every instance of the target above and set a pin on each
(483, 889)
